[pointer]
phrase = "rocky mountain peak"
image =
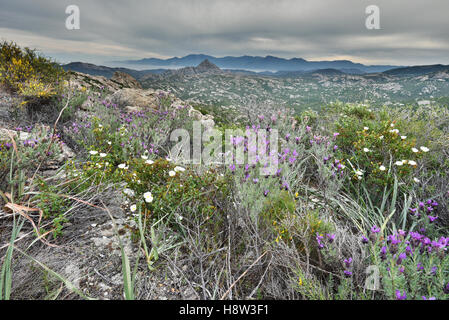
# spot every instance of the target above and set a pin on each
(206, 65)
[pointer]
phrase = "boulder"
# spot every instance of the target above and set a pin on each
(135, 98)
(125, 80)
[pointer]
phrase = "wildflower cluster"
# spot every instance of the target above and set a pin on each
(412, 265)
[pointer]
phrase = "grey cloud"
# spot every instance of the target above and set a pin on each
(413, 31)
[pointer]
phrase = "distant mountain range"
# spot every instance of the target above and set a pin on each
(207, 66)
(256, 63)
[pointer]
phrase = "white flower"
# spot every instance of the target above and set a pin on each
(403, 137)
(382, 168)
(128, 192)
(103, 155)
(366, 150)
(179, 169)
(365, 128)
(394, 131)
(381, 137)
(359, 173)
(109, 142)
(93, 152)
(149, 162)
(168, 159)
(392, 125)
(412, 163)
(133, 208)
(415, 150)
(144, 157)
(172, 173)
(416, 180)
(424, 149)
(123, 166)
(148, 197)
(398, 163)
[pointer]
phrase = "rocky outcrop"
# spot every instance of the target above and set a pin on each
(125, 80)
(133, 98)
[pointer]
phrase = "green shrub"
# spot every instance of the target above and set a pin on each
(27, 73)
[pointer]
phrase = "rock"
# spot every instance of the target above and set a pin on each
(135, 99)
(5, 134)
(125, 80)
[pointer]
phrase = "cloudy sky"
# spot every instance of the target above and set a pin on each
(412, 31)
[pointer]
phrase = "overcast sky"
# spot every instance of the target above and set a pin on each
(412, 31)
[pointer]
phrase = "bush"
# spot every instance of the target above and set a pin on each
(27, 73)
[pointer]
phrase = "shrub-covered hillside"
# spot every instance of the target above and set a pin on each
(95, 205)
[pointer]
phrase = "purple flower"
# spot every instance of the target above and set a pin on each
(430, 298)
(265, 193)
(433, 271)
(401, 257)
(347, 262)
(364, 239)
(432, 219)
(400, 296)
(330, 237)
(446, 288)
(347, 273)
(375, 229)
(383, 253)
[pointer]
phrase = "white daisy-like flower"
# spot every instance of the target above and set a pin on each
(149, 162)
(381, 137)
(415, 150)
(172, 173)
(366, 150)
(382, 168)
(102, 155)
(424, 149)
(403, 137)
(394, 131)
(109, 142)
(392, 125)
(412, 163)
(148, 197)
(179, 169)
(123, 166)
(365, 128)
(399, 163)
(168, 159)
(416, 180)
(133, 208)
(93, 152)
(144, 157)
(359, 173)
